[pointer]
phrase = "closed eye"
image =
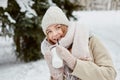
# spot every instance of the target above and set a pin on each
(58, 27)
(48, 32)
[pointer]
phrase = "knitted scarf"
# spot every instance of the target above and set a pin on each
(78, 36)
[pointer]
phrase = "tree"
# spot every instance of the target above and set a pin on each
(27, 31)
(28, 34)
(5, 22)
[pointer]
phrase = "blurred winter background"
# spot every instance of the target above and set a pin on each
(101, 16)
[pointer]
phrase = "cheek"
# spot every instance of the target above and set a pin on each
(51, 40)
(64, 30)
(61, 33)
(49, 37)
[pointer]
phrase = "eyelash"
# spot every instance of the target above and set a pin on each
(58, 27)
(48, 32)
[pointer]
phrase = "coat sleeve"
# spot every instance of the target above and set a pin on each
(101, 69)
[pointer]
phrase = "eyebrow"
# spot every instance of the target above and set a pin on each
(47, 30)
(57, 25)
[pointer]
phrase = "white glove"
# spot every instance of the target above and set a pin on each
(57, 62)
(66, 56)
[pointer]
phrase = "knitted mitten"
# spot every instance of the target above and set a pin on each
(66, 56)
(57, 62)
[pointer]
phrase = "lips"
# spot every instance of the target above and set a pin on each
(57, 38)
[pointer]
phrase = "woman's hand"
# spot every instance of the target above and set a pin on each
(66, 56)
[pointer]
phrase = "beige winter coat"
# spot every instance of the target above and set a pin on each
(101, 68)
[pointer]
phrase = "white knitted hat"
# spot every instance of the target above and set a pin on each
(54, 15)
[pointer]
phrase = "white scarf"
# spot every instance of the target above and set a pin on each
(78, 36)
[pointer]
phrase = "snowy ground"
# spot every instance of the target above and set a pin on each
(12, 69)
(104, 24)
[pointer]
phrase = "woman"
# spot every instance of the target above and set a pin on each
(84, 56)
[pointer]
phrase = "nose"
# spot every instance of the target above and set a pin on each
(55, 35)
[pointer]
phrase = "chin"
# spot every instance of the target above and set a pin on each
(55, 42)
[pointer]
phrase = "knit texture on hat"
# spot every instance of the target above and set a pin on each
(54, 15)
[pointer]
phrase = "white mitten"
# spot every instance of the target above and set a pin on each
(67, 40)
(66, 56)
(57, 62)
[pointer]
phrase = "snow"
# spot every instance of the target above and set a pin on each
(105, 24)
(10, 18)
(25, 6)
(12, 69)
(3, 3)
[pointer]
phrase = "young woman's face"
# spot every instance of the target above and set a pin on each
(56, 32)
